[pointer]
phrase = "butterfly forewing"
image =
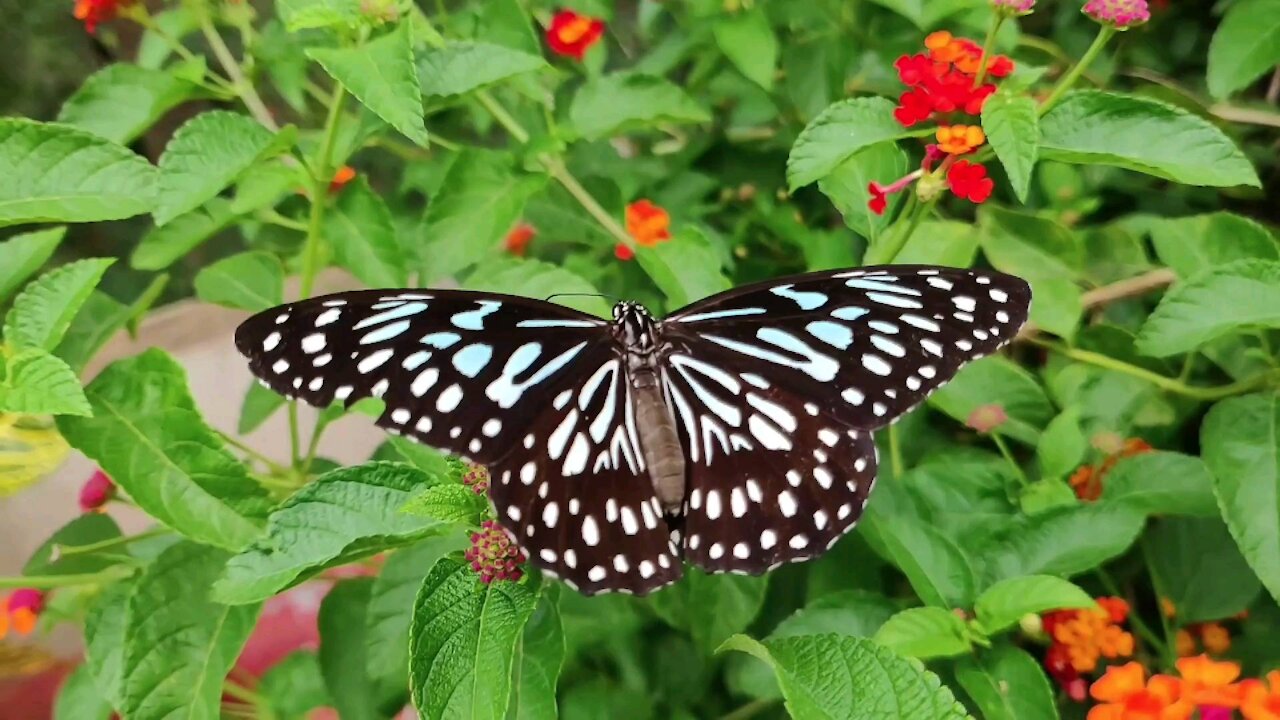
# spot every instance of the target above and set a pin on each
(868, 344)
(457, 370)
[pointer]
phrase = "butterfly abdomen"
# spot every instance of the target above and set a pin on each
(659, 441)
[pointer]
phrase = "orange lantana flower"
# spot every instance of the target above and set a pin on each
(1124, 693)
(1086, 481)
(959, 139)
(1261, 700)
(571, 34)
(19, 611)
(1088, 634)
(1209, 682)
(519, 237)
(649, 224)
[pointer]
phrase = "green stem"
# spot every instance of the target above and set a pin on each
(275, 218)
(243, 694)
(65, 550)
(49, 582)
(898, 241)
(751, 709)
(986, 49)
(1068, 80)
(1135, 620)
(895, 452)
(1008, 456)
(242, 447)
(503, 117)
(1164, 383)
(243, 88)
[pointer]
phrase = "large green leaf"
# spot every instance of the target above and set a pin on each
(121, 101)
(462, 642)
(80, 699)
(840, 131)
(1191, 313)
(926, 14)
(343, 649)
(1148, 136)
(996, 380)
(749, 42)
(163, 246)
(536, 279)
(1002, 605)
(461, 67)
(711, 607)
(1013, 128)
(206, 155)
(55, 173)
(1182, 552)
(1162, 483)
(924, 633)
(104, 636)
(846, 186)
(251, 281)
(90, 528)
(43, 311)
(363, 236)
(382, 75)
(940, 242)
(481, 199)
(837, 677)
(148, 435)
(1245, 46)
(1006, 683)
(179, 645)
(37, 383)
(539, 655)
(844, 612)
(294, 686)
(938, 570)
(1043, 252)
(343, 514)
(1195, 243)
(1241, 444)
(1062, 541)
(21, 256)
(100, 318)
(306, 14)
(618, 103)
(685, 269)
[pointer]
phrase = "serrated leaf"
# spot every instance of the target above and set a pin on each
(618, 103)
(37, 383)
(1062, 445)
(343, 653)
(1190, 245)
(43, 311)
(837, 133)
(163, 246)
(462, 642)
(539, 655)
(711, 607)
(447, 503)
(1062, 541)
(344, 514)
(80, 699)
(1045, 253)
(307, 14)
(747, 39)
(939, 570)
(1012, 124)
(940, 242)
(171, 617)
(1240, 440)
(147, 434)
(21, 256)
(685, 268)
(1190, 313)
(105, 624)
(1002, 605)
(847, 678)
(121, 101)
(1162, 483)
(251, 281)
(481, 199)
(381, 75)
(1244, 47)
(1006, 683)
(206, 155)
(926, 14)
(362, 233)
(100, 318)
(846, 186)
(1098, 128)
(461, 67)
(1002, 382)
(1181, 552)
(55, 173)
(536, 279)
(924, 633)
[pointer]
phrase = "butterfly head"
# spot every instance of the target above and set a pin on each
(634, 326)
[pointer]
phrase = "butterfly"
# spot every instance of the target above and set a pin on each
(734, 434)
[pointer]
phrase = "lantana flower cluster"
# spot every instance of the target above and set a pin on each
(95, 12)
(1087, 480)
(648, 224)
(1080, 638)
(944, 84)
(494, 555)
(1208, 687)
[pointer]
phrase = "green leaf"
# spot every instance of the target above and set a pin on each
(481, 199)
(711, 607)
(147, 434)
(926, 14)
(846, 186)
(1002, 605)
(1244, 47)
(163, 246)
(837, 677)
(391, 612)
(448, 503)
(846, 612)
(21, 256)
(87, 529)
(940, 242)
(1043, 252)
(294, 686)
(381, 75)
(1012, 124)
(206, 155)
(37, 383)
(1062, 446)
(462, 642)
(55, 173)
(171, 617)
(1006, 683)
(924, 632)
(536, 279)
(362, 233)
(343, 649)
(685, 268)
(43, 311)
(749, 42)
(80, 699)
(251, 281)
(461, 67)
(1162, 483)
(121, 101)
(1190, 245)
(539, 655)
(999, 381)
(104, 635)
(840, 131)
(342, 515)
(306, 14)
(1062, 541)
(618, 103)
(1182, 552)
(936, 567)
(100, 318)
(1240, 438)
(1190, 314)
(506, 23)
(1098, 128)
(259, 404)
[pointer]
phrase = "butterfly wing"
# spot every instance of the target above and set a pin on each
(460, 371)
(868, 344)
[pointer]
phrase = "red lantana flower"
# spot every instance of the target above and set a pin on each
(517, 241)
(572, 35)
(969, 181)
(341, 177)
(96, 492)
(19, 611)
(95, 12)
(649, 224)
(623, 252)
(879, 198)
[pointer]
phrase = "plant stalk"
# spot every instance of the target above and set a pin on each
(1103, 37)
(243, 88)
